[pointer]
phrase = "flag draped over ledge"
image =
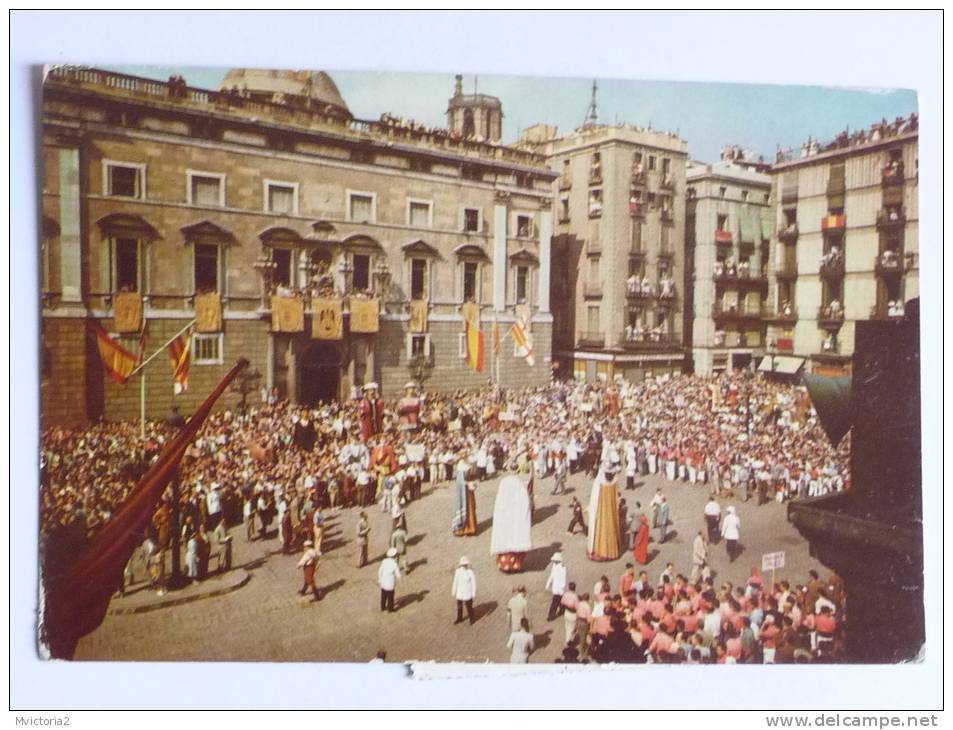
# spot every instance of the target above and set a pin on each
(476, 346)
(524, 341)
(117, 360)
(180, 356)
(76, 599)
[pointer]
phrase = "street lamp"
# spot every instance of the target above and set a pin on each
(382, 278)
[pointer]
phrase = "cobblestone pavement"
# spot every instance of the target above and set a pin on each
(266, 620)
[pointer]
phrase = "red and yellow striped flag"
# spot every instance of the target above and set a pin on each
(117, 360)
(476, 346)
(524, 342)
(180, 356)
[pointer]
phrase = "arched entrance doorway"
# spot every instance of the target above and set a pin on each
(319, 374)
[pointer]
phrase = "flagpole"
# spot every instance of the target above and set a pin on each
(141, 369)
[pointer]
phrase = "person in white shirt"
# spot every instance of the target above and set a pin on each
(731, 531)
(521, 643)
(464, 590)
(387, 576)
(712, 518)
(556, 583)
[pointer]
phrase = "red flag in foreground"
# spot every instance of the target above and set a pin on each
(180, 355)
(117, 360)
(476, 347)
(76, 600)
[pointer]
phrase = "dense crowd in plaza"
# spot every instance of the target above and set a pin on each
(283, 466)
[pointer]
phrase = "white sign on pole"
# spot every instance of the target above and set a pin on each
(772, 561)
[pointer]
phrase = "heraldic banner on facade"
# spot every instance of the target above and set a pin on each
(327, 321)
(418, 315)
(287, 314)
(208, 312)
(127, 308)
(365, 315)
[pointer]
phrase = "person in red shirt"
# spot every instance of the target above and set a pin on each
(825, 625)
(627, 580)
(769, 639)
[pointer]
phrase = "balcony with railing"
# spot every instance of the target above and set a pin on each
(891, 218)
(636, 209)
(892, 173)
(736, 313)
(784, 314)
(724, 239)
(565, 182)
(833, 223)
(832, 267)
(591, 339)
(891, 310)
(740, 277)
(643, 338)
(638, 177)
(640, 290)
(788, 234)
(595, 175)
(830, 316)
(888, 265)
(667, 182)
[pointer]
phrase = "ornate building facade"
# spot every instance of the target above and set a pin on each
(330, 251)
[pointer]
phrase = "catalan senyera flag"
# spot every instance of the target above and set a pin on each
(180, 356)
(476, 347)
(524, 340)
(117, 360)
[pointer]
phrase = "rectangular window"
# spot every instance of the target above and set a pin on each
(722, 222)
(206, 267)
(744, 196)
(360, 208)
(651, 162)
(207, 349)
(282, 259)
(418, 214)
(594, 279)
(125, 180)
(522, 284)
(722, 191)
(471, 220)
(470, 270)
(281, 198)
(418, 279)
(593, 320)
(418, 346)
(127, 264)
(206, 189)
(524, 226)
(564, 209)
(361, 279)
(666, 165)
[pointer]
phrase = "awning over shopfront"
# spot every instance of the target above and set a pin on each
(780, 364)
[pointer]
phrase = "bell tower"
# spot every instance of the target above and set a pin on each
(474, 116)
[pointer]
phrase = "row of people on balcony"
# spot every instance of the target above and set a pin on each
(880, 130)
(721, 338)
(832, 258)
(895, 308)
(890, 259)
(645, 287)
(834, 310)
(641, 333)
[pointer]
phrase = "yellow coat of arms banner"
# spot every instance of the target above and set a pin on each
(287, 314)
(365, 315)
(208, 312)
(418, 315)
(327, 319)
(127, 308)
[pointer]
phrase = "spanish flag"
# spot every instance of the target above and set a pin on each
(117, 360)
(180, 355)
(524, 342)
(476, 346)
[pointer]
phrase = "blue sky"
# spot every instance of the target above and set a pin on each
(707, 115)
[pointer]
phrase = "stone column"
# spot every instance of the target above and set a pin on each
(70, 222)
(499, 252)
(545, 241)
